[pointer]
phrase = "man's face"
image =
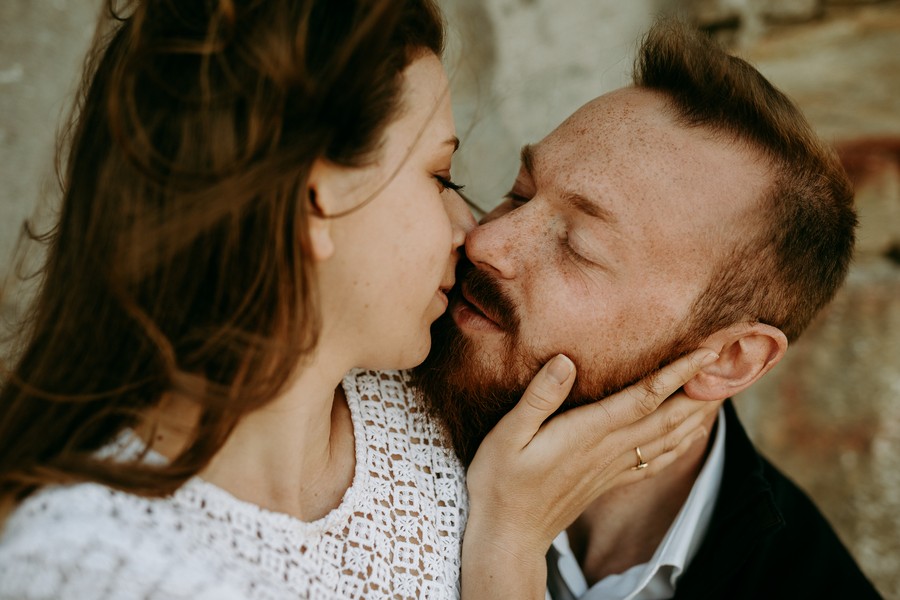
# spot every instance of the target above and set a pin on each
(610, 233)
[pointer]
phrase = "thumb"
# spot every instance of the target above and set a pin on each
(542, 397)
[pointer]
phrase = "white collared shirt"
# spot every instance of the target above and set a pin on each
(656, 580)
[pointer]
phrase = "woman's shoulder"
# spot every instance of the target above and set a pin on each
(88, 540)
(84, 509)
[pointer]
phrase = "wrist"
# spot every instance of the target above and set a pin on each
(515, 525)
(494, 569)
(515, 543)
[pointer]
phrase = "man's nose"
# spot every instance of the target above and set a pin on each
(493, 245)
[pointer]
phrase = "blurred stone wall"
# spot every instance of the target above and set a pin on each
(827, 415)
(42, 43)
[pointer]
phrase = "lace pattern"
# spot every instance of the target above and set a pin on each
(396, 533)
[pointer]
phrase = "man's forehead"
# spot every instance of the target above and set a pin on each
(579, 201)
(627, 114)
(626, 152)
(604, 149)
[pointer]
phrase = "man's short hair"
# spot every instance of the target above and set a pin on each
(801, 237)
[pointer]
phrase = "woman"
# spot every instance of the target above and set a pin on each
(257, 217)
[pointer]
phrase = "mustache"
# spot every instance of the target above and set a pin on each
(483, 289)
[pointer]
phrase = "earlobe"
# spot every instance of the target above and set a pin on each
(320, 233)
(318, 223)
(746, 353)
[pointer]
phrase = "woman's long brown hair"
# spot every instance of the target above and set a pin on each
(178, 264)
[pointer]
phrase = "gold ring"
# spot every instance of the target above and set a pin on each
(641, 464)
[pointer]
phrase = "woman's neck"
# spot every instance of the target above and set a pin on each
(297, 459)
(296, 455)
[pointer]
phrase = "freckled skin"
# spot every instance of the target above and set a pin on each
(677, 197)
(380, 287)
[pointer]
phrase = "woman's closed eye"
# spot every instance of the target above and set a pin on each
(447, 184)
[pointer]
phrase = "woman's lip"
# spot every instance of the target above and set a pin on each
(443, 296)
(443, 292)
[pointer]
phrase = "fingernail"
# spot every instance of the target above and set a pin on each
(709, 359)
(560, 368)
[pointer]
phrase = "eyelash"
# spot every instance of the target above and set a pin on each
(571, 252)
(516, 198)
(447, 184)
(519, 200)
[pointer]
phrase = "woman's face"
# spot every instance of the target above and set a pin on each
(394, 258)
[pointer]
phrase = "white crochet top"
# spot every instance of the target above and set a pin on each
(395, 534)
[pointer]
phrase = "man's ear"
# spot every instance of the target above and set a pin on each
(317, 195)
(746, 352)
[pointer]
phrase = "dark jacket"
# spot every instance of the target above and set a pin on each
(766, 538)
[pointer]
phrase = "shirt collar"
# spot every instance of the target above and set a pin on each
(657, 579)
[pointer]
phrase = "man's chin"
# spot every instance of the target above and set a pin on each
(462, 388)
(468, 384)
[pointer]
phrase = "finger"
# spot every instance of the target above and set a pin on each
(661, 451)
(642, 398)
(661, 441)
(665, 422)
(541, 399)
(668, 425)
(666, 459)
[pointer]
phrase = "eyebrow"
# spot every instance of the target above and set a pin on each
(577, 201)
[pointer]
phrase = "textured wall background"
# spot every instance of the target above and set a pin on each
(42, 43)
(828, 415)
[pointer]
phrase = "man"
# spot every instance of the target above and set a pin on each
(695, 208)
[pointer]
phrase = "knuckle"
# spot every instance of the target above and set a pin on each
(601, 417)
(659, 386)
(647, 400)
(671, 442)
(643, 474)
(581, 445)
(590, 432)
(673, 421)
(539, 397)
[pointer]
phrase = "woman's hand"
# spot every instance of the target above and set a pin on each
(532, 477)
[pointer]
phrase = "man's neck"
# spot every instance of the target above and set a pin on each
(623, 528)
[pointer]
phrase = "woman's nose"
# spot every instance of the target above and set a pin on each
(460, 218)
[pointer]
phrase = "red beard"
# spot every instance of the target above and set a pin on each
(469, 397)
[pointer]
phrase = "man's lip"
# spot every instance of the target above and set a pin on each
(464, 294)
